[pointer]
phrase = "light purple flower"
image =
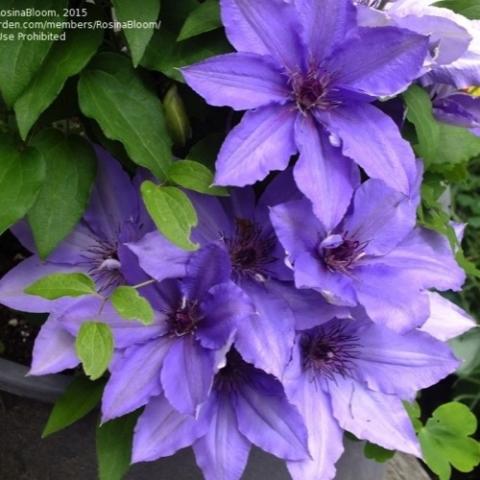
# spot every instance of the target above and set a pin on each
(309, 76)
(246, 407)
(353, 375)
(374, 258)
(114, 217)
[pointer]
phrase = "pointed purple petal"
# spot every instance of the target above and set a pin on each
(262, 142)
(372, 140)
(373, 416)
(135, 378)
(161, 431)
(380, 61)
(269, 27)
(222, 453)
(238, 80)
(323, 174)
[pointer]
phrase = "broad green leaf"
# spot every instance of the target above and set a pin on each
(377, 453)
(65, 59)
(206, 150)
(63, 198)
(22, 171)
(467, 8)
(114, 447)
(466, 349)
(137, 38)
(456, 145)
(445, 440)
(194, 176)
(21, 57)
(80, 398)
(126, 111)
(166, 55)
(58, 285)
(94, 347)
(176, 117)
(204, 18)
(131, 305)
(172, 212)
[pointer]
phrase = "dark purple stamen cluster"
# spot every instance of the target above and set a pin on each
(311, 90)
(329, 350)
(343, 257)
(184, 320)
(251, 250)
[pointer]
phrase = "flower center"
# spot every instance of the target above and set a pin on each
(311, 90)
(235, 371)
(250, 250)
(329, 350)
(341, 256)
(184, 320)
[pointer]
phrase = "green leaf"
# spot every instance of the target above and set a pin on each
(456, 145)
(114, 447)
(377, 453)
(445, 440)
(467, 8)
(64, 196)
(166, 55)
(204, 18)
(137, 38)
(173, 13)
(130, 305)
(21, 57)
(195, 176)
(94, 347)
(65, 59)
(173, 213)
(58, 285)
(80, 398)
(206, 150)
(22, 172)
(414, 412)
(126, 111)
(176, 117)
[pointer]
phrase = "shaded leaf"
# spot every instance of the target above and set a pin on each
(467, 8)
(204, 18)
(377, 453)
(176, 117)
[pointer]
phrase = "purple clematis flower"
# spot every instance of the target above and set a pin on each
(353, 375)
(114, 217)
(241, 227)
(246, 407)
(374, 257)
(309, 75)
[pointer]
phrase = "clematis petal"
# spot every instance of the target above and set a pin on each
(262, 142)
(268, 420)
(268, 28)
(161, 431)
(325, 437)
(325, 25)
(323, 174)
(134, 379)
(380, 218)
(266, 337)
(372, 139)
(390, 298)
(225, 306)
(373, 416)
(222, 453)
(187, 374)
(54, 349)
(446, 319)
(380, 61)
(238, 80)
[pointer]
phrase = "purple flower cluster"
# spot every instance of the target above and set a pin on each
(307, 311)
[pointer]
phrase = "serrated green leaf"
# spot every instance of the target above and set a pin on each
(137, 38)
(111, 93)
(22, 57)
(195, 176)
(114, 447)
(445, 440)
(60, 285)
(172, 212)
(64, 60)
(130, 305)
(467, 8)
(79, 399)
(94, 348)
(64, 195)
(22, 172)
(205, 18)
(377, 453)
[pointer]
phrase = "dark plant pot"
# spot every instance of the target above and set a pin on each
(71, 453)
